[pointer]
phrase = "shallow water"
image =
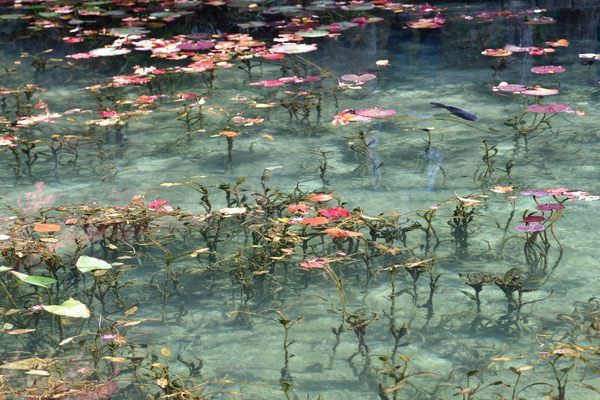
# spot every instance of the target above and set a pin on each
(400, 173)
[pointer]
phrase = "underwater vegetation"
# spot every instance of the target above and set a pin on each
(319, 200)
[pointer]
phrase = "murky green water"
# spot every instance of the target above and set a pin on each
(210, 309)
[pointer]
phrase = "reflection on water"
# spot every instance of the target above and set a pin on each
(453, 292)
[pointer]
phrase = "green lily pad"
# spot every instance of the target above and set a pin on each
(48, 15)
(33, 279)
(132, 30)
(70, 308)
(313, 33)
(87, 264)
(12, 16)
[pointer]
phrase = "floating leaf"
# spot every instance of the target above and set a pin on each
(108, 52)
(131, 310)
(70, 308)
(27, 364)
(49, 240)
(38, 372)
(312, 33)
(34, 280)
(233, 211)
(115, 359)
(67, 340)
(46, 228)
(165, 352)
(20, 331)
(87, 264)
(4, 269)
(195, 253)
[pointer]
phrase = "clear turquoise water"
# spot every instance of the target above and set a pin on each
(442, 65)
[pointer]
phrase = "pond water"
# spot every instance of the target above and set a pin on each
(234, 113)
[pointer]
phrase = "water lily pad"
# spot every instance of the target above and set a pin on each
(46, 228)
(108, 52)
(540, 91)
(33, 279)
(339, 26)
(358, 7)
(312, 33)
(293, 48)
(134, 30)
(70, 308)
(87, 264)
(548, 69)
(12, 16)
(375, 112)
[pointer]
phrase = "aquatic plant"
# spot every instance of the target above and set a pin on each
(101, 290)
(459, 223)
(286, 379)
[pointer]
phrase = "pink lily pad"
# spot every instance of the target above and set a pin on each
(533, 218)
(358, 78)
(530, 228)
(195, 46)
(376, 112)
(540, 91)
(509, 87)
(550, 207)
(550, 109)
(534, 192)
(548, 69)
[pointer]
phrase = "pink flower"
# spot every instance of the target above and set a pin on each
(160, 206)
(109, 114)
(335, 212)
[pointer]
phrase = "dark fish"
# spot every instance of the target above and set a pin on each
(456, 111)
